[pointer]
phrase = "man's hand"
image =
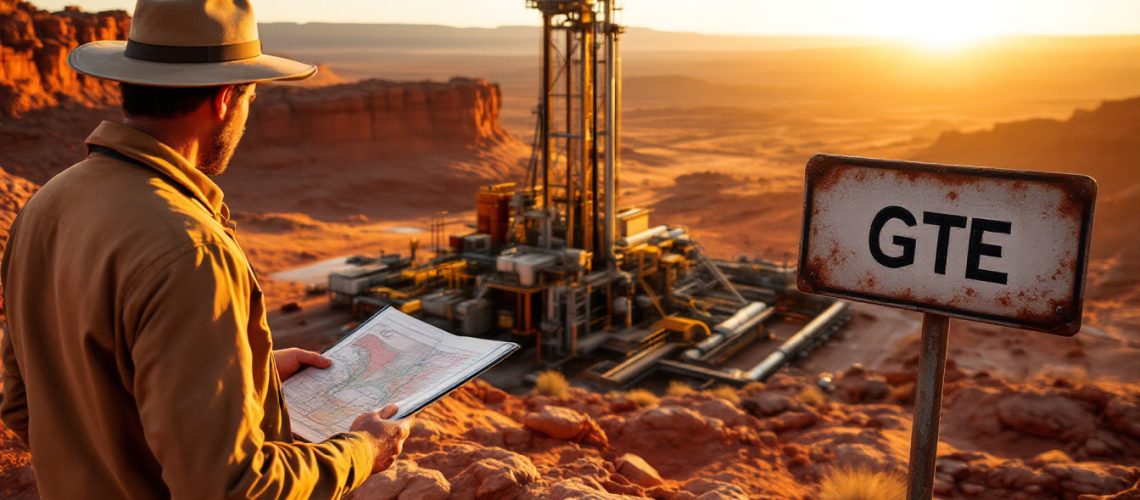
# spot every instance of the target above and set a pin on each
(290, 361)
(388, 436)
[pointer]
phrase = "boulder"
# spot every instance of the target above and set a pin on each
(563, 423)
(724, 411)
(404, 481)
(710, 489)
(1091, 478)
(493, 475)
(1046, 415)
(1124, 415)
(767, 404)
(857, 385)
(636, 469)
(791, 421)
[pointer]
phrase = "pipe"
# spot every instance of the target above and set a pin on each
(642, 237)
(547, 50)
(590, 131)
(796, 343)
(589, 188)
(611, 133)
(571, 197)
(616, 188)
(744, 319)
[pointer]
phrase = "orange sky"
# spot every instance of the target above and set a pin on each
(933, 21)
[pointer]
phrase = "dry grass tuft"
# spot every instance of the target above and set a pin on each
(753, 387)
(551, 383)
(642, 397)
(679, 388)
(861, 484)
(903, 393)
(726, 393)
(1063, 376)
(1053, 457)
(812, 396)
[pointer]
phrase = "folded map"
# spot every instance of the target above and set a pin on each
(390, 358)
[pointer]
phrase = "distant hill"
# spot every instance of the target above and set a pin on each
(1103, 142)
(520, 40)
(516, 40)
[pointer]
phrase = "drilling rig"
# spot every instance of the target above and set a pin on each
(557, 263)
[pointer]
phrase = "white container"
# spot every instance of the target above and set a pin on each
(505, 263)
(529, 265)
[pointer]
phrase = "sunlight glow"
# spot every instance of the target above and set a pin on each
(943, 25)
(936, 24)
(929, 23)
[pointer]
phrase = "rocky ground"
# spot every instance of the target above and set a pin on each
(1061, 439)
(1024, 416)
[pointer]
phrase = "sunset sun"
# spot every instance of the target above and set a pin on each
(935, 25)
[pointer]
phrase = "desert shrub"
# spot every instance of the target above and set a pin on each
(811, 395)
(861, 484)
(903, 393)
(753, 387)
(551, 383)
(1053, 457)
(726, 393)
(642, 397)
(1063, 376)
(678, 388)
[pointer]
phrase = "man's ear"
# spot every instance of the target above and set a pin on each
(222, 101)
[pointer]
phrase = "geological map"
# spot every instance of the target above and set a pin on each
(391, 358)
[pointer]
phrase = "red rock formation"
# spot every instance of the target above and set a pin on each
(378, 116)
(14, 193)
(379, 148)
(480, 442)
(33, 56)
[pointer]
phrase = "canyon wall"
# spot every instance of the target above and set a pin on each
(378, 116)
(378, 148)
(33, 56)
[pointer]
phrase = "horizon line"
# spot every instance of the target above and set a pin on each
(725, 35)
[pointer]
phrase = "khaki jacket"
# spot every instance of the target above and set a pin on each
(138, 359)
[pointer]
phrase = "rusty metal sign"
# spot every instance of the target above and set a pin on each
(999, 246)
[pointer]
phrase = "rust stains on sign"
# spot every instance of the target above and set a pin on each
(1000, 246)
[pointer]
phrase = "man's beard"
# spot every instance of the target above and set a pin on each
(216, 157)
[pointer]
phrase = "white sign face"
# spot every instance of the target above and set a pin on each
(1001, 246)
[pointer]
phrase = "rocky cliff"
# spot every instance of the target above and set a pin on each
(378, 148)
(378, 115)
(33, 56)
(14, 194)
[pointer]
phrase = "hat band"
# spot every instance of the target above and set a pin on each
(193, 53)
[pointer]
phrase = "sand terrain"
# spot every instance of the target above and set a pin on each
(714, 140)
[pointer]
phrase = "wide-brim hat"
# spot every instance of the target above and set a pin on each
(187, 43)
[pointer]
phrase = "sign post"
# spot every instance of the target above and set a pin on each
(1005, 247)
(927, 405)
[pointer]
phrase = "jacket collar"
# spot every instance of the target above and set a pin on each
(163, 159)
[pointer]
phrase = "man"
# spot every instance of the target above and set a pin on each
(138, 362)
